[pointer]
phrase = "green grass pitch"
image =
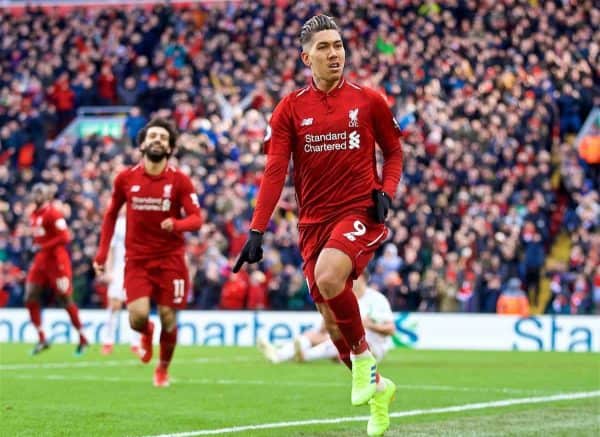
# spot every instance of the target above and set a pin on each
(57, 394)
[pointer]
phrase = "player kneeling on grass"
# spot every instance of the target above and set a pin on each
(51, 266)
(156, 194)
(378, 321)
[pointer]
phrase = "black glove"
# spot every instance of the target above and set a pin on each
(382, 205)
(252, 251)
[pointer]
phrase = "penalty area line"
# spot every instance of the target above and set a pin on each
(419, 412)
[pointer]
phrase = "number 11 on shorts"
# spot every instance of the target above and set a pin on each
(178, 290)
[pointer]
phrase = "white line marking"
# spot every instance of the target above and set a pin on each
(453, 409)
(207, 381)
(75, 364)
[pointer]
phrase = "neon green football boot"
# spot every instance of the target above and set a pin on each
(364, 370)
(379, 421)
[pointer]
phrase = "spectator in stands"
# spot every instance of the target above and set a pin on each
(513, 300)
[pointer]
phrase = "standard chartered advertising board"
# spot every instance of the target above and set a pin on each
(413, 330)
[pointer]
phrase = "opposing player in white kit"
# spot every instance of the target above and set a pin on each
(115, 270)
(377, 318)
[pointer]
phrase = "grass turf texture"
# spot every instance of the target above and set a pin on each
(57, 394)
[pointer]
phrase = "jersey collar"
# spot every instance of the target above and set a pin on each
(331, 93)
(161, 175)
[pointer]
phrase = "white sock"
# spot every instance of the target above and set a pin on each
(305, 343)
(321, 351)
(286, 352)
(110, 330)
(134, 338)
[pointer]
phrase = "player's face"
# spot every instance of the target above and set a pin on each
(156, 144)
(326, 55)
(39, 196)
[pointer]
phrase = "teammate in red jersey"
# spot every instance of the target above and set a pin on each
(155, 194)
(51, 266)
(329, 128)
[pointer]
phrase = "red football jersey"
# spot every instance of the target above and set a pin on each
(150, 200)
(331, 138)
(49, 227)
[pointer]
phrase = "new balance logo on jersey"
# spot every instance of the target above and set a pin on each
(135, 188)
(307, 122)
(353, 117)
(354, 140)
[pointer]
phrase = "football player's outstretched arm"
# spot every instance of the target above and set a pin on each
(108, 224)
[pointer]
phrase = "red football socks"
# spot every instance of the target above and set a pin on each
(35, 314)
(168, 340)
(74, 315)
(145, 330)
(344, 351)
(347, 316)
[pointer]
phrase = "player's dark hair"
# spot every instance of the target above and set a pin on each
(314, 25)
(159, 122)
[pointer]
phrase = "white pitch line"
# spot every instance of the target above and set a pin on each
(420, 412)
(219, 381)
(205, 381)
(99, 363)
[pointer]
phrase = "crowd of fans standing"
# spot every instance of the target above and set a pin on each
(488, 95)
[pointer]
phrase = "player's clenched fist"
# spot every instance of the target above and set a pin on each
(167, 224)
(98, 268)
(252, 251)
(382, 205)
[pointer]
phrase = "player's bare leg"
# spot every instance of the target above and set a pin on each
(32, 302)
(139, 313)
(71, 307)
(168, 340)
(332, 275)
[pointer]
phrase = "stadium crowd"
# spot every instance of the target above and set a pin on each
(489, 96)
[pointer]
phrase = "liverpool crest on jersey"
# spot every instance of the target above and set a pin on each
(353, 118)
(167, 190)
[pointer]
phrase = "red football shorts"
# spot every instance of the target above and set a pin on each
(357, 235)
(164, 280)
(52, 269)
